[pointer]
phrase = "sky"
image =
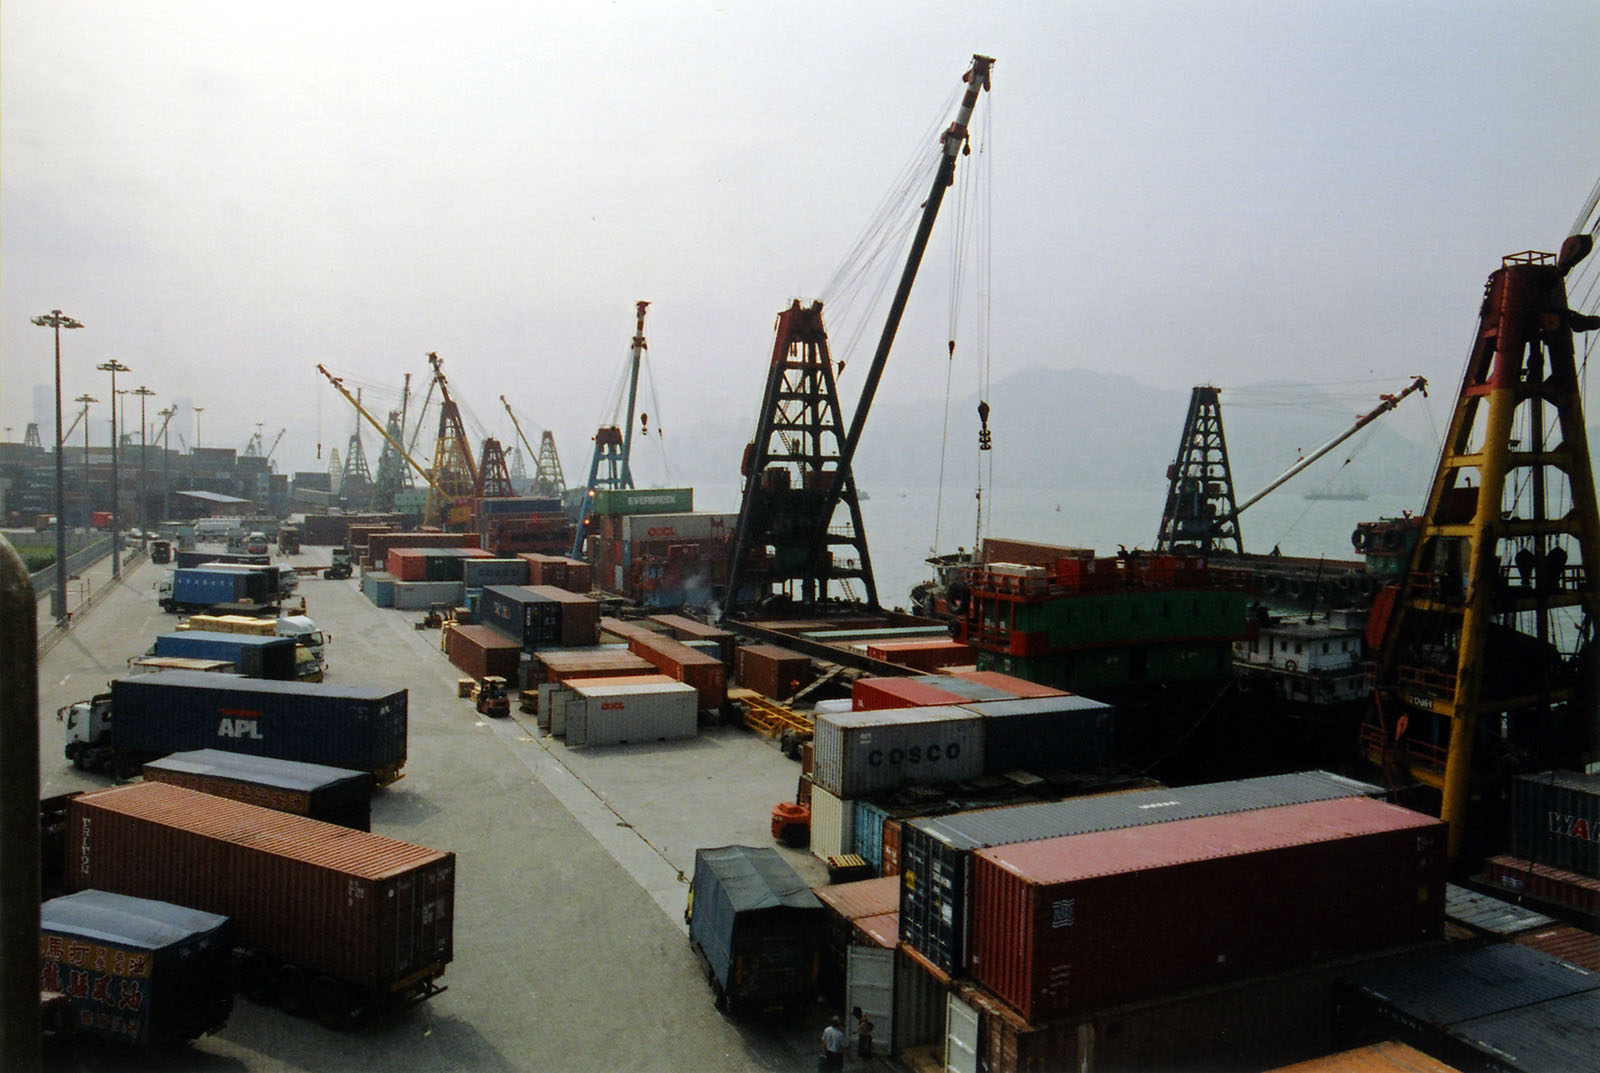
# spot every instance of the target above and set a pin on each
(227, 195)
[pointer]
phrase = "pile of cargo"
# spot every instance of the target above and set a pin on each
(341, 530)
(574, 575)
(1555, 843)
(333, 920)
(536, 615)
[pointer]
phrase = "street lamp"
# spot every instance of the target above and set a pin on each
(143, 393)
(88, 502)
(166, 456)
(114, 367)
(198, 410)
(58, 610)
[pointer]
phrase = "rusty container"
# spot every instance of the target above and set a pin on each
(360, 908)
(773, 671)
(926, 654)
(684, 664)
(482, 651)
(1070, 923)
(873, 694)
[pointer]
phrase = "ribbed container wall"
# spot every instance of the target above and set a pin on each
(588, 661)
(329, 794)
(481, 651)
(678, 660)
(422, 595)
(832, 824)
(1556, 820)
(476, 573)
(860, 753)
(869, 834)
(360, 907)
(873, 694)
(773, 671)
(635, 713)
(378, 586)
(936, 853)
(922, 655)
(1046, 733)
(1016, 687)
(1071, 923)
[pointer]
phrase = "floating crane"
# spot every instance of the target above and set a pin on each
(613, 445)
(1485, 666)
(797, 470)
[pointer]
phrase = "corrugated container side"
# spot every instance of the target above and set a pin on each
(773, 671)
(422, 595)
(892, 831)
(860, 898)
(481, 651)
(1071, 923)
(1556, 886)
(332, 795)
(832, 824)
(1017, 687)
(406, 564)
(674, 658)
(1556, 820)
(378, 586)
(476, 573)
(869, 833)
(360, 907)
(859, 753)
(1046, 733)
(873, 694)
(629, 712)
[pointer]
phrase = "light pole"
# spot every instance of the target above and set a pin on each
(114, 367)
(58, 611)
(198, 410)
(88, 501)
(166, 457)
(143, 393)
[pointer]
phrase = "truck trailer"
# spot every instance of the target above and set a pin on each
(253, 656)
(755, 926)
(152, 715)
(329, 921)
(330, 794)
(136, 970)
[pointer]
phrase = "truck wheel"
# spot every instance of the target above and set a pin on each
(292, 991)
(255, 979)
(80, 760)
(330, 1002)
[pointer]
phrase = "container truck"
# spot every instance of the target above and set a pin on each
(756, 927)
(200, 588)
(136, 970)
(330, 794)
(252, 656)
(328, 921)
(298, 628)
(152, 715)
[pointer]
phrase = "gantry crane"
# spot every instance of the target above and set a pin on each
(1485, 658)
(454, 481)
(548, 480)
(613, 445)
(389, 438)
(798, 468)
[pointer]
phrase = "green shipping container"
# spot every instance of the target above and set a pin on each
(642, 501)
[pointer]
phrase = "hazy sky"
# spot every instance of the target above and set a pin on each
(227, 194)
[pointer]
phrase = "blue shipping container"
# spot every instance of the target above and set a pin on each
(341, 726)
(252, 656)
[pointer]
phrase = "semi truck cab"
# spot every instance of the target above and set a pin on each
(88, 736)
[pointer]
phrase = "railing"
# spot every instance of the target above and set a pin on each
(44, 580)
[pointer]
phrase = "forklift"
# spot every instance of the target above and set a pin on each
(492, 697)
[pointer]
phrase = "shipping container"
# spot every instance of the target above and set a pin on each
(378, 586)
(843, 905)
(1556, 820)
(677, 528)
(406, 564)
(354, 727)
(378, 544)
(612, 501)
(1045, 734)
(832, 824)
(252, 656)
(589, 661)
(335, 918)
(1570, 944)
(683, 663)
(872, 694)
(481, 652)
(866, 752)
(476, 573)
(535, 615)
(1067, 924)
(200, 587)
(936, 853)
(687, 629)
(330, 794)
(422, 595)
(1017, 687)
(612, 713)
(136, 970)
(927, 654)
(773, 671)
(1544, 883)
(1501, 1007)
(754, 923)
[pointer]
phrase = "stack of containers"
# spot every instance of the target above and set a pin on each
(379, 544)
(481, 651)
(684, 628)
(536, 615)
(679, 661)
(554, 697)
(844, 905)
(1066, 733)
(856, 754)
(476, 573)
(556, 665)
(936, 855)
(1555, 843)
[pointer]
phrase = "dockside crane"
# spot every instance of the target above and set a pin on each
(613, 445)
(797, 470)
(389, 438)
(1486, 662)
(454, 481)
(548, 480)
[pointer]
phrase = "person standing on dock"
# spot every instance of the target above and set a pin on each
(863, 1034)
(834, 1044)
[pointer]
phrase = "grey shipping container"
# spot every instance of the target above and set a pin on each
(360, 919)
(422, 595)
(330, 794)
(936, 854)
(756, 925)
(1070, 924)
(476, 573)
(1069, 733)
(859, 753)
(1501, 1007)
(614, 713)
(137, 970)
(343, 726)
(378, 586)
(1556, 820)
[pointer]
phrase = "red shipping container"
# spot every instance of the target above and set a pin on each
(1066, 924)
(1554, 885)
(1017, 687)
(684, 664)
(1002, 550)
(860, 898)
(406, 564)
(772, 671)
(362, 908)
(922, 655)
(875, 694)
(481, 651)
(890, 865)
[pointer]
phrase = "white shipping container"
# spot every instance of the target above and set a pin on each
(612, 714)
(861, 753)
(833, 824)
(422, 595)
(659, 528)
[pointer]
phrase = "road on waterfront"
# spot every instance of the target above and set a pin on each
(572, 868)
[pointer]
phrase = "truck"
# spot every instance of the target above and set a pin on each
(252, 656)
(339, 568)
(311, 658)
(152, 715)
(161, 552)
(288, 540)
(330, 794)
(326, 920)
(200, 588)
(137, 970)
(756, 928)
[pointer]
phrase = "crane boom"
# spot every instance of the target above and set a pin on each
(338, 384)
(518, 426)
(1387, 403)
